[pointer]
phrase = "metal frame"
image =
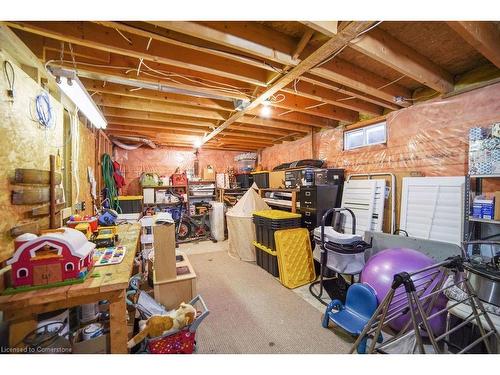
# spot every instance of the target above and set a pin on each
(420, 309)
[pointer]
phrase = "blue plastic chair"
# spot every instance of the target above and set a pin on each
(361, 303)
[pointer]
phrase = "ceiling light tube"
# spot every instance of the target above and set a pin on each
(73, 88)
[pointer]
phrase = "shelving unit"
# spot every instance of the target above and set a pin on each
(292, 205)
(236, 192)
(472, 225)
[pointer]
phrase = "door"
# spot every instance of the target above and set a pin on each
(47, 274)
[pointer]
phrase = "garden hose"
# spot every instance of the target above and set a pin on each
(109, 182)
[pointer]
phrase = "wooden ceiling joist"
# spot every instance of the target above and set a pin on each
(483, 36)
(106, 39)
(384, 48)
(231, 35)
(163, 35)
(107, 100)
(328, 28)
(133, 92)
(326, 50)
(322, 94)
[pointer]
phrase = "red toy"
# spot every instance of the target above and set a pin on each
(60, 255)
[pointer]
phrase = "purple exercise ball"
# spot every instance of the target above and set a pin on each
(379, 273)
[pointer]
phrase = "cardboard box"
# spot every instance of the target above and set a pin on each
(98, 345)
(164, 245)
(182, 288)
(497, 205)
(208, 173)
(277, 180)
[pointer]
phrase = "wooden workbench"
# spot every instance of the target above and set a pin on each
(105, 283)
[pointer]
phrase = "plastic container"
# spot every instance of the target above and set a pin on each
(261, 179)
(130, 204)
(269, 221)
(266, 259)
(245, 180)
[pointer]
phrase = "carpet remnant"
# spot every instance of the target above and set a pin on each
(251, 312)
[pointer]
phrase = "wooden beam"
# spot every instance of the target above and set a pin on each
(340, 71)
(106, 39)
(296, 102)
(159, 130)
(345, 90)
(329, 95)
(163, 35)
(144, 114)
(273, 51)
(323, 52)
(93, 85)
(241, 36)
(483, 36)
(10, 42)
(384, 48)
(328, 28)
(108, 100)
(306, 37)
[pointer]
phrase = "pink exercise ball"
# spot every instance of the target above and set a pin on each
(379, 273)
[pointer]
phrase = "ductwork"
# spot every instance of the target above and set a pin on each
(138, 142)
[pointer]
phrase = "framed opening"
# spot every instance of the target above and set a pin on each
(367, 136)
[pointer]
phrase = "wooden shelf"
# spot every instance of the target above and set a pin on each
(488, 221)
(484, 175)
(202, 196)
(164, 187)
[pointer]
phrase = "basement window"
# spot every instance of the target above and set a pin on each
(367, 136)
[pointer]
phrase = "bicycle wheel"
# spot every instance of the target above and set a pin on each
(184, 230)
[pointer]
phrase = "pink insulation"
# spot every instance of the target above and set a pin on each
(164, 161)
(430, 137)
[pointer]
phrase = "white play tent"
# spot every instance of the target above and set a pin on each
(240, 228)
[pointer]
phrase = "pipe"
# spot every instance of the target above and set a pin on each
(393, 192)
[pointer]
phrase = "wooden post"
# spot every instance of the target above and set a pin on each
(52, 192)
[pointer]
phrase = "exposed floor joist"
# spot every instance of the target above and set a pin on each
(386, 49)
(326, 50)
(483, 36)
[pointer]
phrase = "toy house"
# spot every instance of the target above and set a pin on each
(51, 258)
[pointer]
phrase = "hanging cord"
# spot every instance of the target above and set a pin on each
(43, 110)
(109, 182)
(11, 77)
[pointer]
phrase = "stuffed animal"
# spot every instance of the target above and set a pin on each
(158, 325)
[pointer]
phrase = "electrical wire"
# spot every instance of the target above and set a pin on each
(43, 110)
(346, 44)
(11, 78)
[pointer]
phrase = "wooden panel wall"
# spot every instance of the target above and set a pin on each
(24, 144)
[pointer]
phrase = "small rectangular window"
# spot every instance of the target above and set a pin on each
(369, 135)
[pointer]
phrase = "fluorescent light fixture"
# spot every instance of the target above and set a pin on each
(73, 88)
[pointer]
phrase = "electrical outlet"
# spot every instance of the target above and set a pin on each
(80, 206)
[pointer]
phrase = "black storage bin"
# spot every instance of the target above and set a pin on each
(266, 261)
(245, 180)
(269, 221)
(261, 179)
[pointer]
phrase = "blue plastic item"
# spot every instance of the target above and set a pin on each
(361, 303)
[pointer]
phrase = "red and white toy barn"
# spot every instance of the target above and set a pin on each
(51, 258)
